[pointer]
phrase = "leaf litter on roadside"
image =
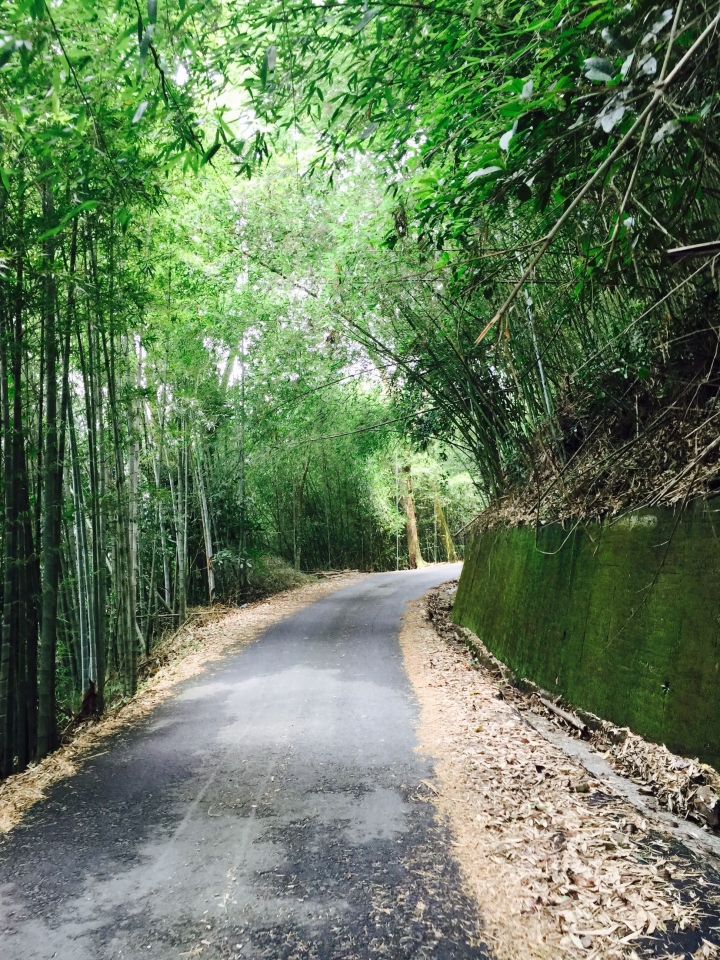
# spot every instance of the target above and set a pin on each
(560, 868)
(683, 786)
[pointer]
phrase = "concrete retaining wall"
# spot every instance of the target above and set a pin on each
(622, 617)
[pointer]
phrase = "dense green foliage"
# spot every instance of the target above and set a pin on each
(568, 144)
(295, 278)
(180, 418)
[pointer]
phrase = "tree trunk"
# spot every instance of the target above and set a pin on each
(205, 515)
(93, 556)
(7, 653)
(134, 481)
(179, 500)
(415, 558)
(85, 612)
(445, 534)
(126, 623)
(51, 529)
(299, 506)
(163, 535)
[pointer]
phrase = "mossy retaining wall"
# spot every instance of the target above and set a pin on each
(622, 617)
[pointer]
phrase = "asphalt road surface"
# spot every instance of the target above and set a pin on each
(274, 807)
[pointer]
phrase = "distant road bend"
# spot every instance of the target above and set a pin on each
(273, 808)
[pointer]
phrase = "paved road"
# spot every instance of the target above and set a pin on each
(272, 808)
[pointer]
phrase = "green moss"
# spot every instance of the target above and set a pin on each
(622, 618)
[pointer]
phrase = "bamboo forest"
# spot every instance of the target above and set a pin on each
(298, 293)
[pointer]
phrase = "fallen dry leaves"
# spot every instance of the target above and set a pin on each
(206, 636)
(559, 867)
(682, 786)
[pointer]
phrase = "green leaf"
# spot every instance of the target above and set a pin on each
(124, 217)
(87, 205)
(268, 65)
(207, 157)
(366, 18)
(191, 11)
(591, 18)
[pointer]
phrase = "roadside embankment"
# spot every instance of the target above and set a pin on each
(620, 617)
(562, 866)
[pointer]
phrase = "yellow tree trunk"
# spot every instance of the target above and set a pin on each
(415, 558)
(445, 534)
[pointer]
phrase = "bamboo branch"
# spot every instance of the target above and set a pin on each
(643, 138)
(601, 170)
(564, 715)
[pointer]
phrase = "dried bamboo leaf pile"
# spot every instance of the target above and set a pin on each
(559, 866)
(683, 786)
(686, 788)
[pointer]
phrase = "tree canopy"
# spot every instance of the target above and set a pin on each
(297, 285)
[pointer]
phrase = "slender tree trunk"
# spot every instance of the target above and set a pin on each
(151, 602)
(7, 653)
(69, 598)
(126, 623)
(65, 621)
(415, 558)
(19, 618)
(93, 556)
(445, 534)
(52, 487)
(23, 620)
(299, 510)
(205, 515)
(101, 545)
(163, 536)
(85, 612)
(181, 530)
(133, 486)
(98, 483)
(185, 509)
(175, 500)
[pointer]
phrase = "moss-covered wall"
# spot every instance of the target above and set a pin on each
(622, 618)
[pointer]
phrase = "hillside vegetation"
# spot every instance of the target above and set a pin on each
(319, 281)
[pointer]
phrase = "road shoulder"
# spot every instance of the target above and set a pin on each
(559, 865)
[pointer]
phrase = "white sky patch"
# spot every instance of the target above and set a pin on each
(298, 292)
(251, 337)
(164, 396)
(181, 75)
(236, 374)
(364, 372)
(219, 352)
(76, 380)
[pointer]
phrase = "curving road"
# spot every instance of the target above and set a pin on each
(273, 808)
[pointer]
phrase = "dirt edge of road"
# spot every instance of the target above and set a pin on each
(559, 864)
(207, 635)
